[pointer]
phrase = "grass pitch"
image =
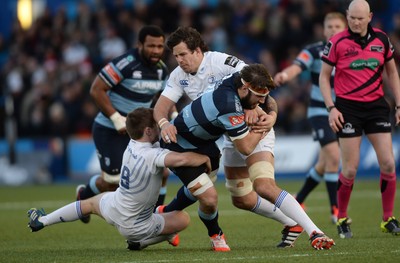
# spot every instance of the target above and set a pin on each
(252, 238)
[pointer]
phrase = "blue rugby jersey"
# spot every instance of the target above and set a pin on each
(207, 118)
(310, 59)
(133, 83)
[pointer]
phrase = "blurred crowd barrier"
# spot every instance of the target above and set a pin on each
(54, 161)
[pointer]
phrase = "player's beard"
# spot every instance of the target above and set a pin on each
(246, 102)
(147, 58)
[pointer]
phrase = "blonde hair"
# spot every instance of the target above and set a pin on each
(335, 15)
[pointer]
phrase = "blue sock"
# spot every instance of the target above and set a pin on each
(182, 200)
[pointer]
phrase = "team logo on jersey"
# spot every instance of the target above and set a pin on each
(130, 58)
(231, 61)
(351, 52)
(114, 76)
(376, 49)
(107, 161)
(236, 120)
(122, 63)
(184, 83)
(137, 74)
(327, 48)
(211, 79)
(361, 64)
(348, 128)
(304, 56)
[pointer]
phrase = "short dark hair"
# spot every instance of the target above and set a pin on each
(257, 76)
(137, 120)
(150, 30)
(188, 35)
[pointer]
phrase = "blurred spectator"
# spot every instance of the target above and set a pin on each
(51, 64)
(111, 45)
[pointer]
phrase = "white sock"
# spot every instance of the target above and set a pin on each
(68, 213)
(267, 209)
(290, 207)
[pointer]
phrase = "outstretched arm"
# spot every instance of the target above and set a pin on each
(175, 159)
(287, 74)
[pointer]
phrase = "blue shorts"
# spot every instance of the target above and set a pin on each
(321, 131)
(367, 117)
(110, 147)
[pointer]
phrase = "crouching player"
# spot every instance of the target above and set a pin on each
(130, 207)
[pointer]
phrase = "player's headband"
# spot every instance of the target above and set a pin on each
(259, 91)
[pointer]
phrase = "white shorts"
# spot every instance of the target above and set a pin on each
(233, 158)
(134, 231)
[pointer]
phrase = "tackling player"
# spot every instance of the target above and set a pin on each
(130, 207)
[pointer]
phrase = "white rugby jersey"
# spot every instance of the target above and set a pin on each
(214, 67)
(139, 186)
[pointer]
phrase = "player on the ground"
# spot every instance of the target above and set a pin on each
(130, 207)
(127, 82)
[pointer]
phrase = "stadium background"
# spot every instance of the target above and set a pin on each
(47, 68)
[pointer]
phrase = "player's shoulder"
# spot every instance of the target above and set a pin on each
(314, 49)
(161, 64)
(315, 45)
(221, 59)
(382, 35)
(127, 58)
(378, 30)
(339, 36)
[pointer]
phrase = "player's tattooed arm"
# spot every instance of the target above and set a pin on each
(267, 116)
(271, 105)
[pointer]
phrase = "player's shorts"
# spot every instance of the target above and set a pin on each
(188, 174)
(110, 146)
(233, 158)
(135, 231)
(370, 117)
(321, 131)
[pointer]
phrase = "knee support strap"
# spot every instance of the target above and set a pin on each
(213, 175)
(239, 187)
(261, 169)
(204, 181)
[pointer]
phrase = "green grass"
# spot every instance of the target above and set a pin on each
(251, 237)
